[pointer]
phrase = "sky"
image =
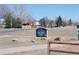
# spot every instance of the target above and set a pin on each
(38, 11)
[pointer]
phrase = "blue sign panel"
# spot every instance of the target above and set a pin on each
(41, 32)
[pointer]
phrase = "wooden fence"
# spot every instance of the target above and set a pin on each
(62, 43)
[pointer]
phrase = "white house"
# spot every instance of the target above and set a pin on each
(37, 24)
(26, 26)
(2, 23)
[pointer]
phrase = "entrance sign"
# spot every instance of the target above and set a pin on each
(41, 32)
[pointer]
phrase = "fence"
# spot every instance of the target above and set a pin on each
(62, 43)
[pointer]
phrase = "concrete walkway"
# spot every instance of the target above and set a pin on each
(22, 48)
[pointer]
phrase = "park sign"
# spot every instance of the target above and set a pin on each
(41, 32)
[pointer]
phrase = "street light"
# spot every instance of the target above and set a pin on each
(11, 22)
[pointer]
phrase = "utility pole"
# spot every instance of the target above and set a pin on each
(11, 22)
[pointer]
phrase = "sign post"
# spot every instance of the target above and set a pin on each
(41, 32)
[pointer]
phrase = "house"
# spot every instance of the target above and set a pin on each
(26, 26)
(2, 23)
(36, 24)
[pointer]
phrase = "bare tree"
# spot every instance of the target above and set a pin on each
(22, 13)
(44, 22)
(3, 10)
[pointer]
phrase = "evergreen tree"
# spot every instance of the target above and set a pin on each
(11, 22)
(70, 22)
(8, 19)
(59, 21)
